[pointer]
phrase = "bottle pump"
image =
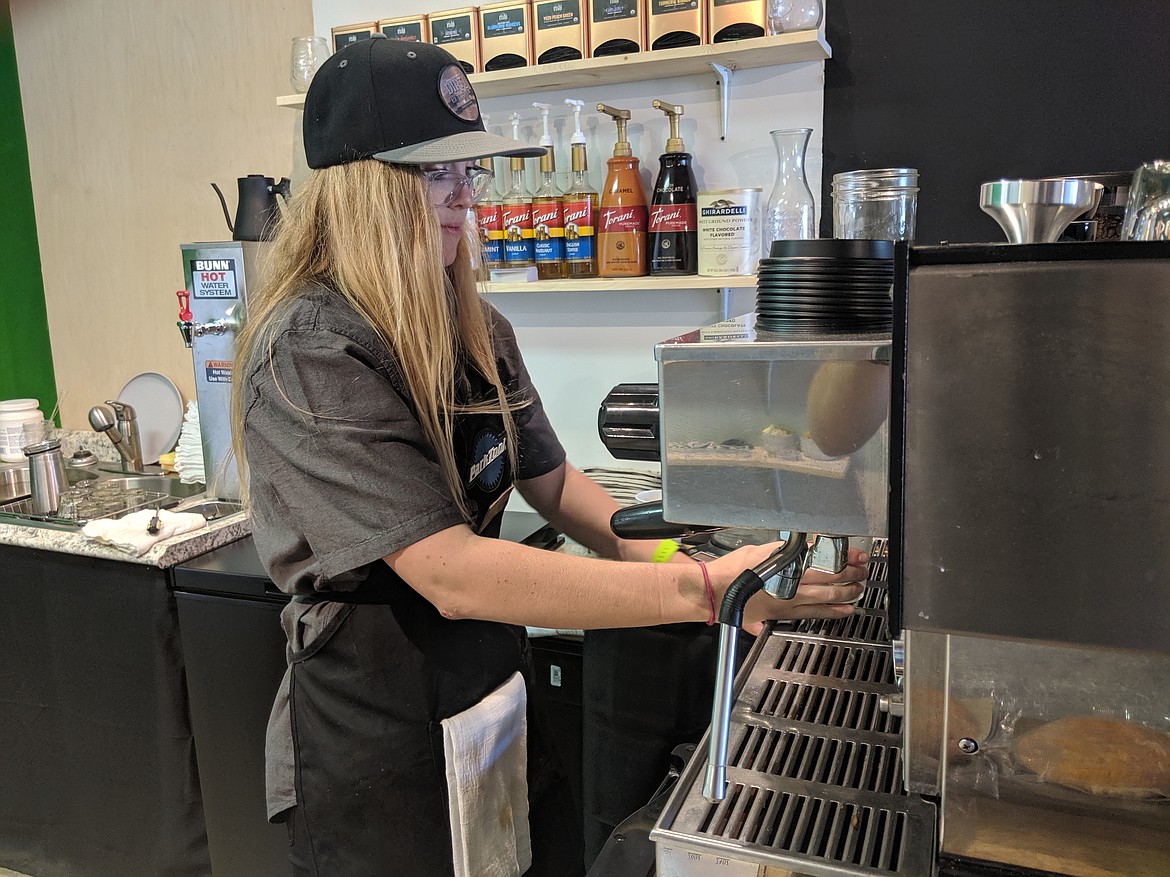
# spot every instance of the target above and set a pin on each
(548, 220)
(517, 212)
(580, 205)
(673, 240)
(622, 237)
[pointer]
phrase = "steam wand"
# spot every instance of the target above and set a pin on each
(780, 576)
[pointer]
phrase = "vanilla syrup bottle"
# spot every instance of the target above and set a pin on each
(516, 213)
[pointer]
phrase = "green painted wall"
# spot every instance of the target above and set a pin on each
(26, 360)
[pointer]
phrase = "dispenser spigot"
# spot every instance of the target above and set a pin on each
(185, 323)
(516, 164)
(547, 161)
(673, 111)
(621, 117)
(577, 105)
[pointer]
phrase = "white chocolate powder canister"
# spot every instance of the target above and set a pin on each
(728, 231)
(14, 414)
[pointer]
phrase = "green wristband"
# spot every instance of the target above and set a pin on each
(664, 551)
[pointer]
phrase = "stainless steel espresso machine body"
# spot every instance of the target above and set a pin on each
(1000, 705)
(1032, 500)
(218, 276)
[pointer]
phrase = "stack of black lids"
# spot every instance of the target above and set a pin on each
(826, 285)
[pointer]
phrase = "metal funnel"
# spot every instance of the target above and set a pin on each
(1037, 211)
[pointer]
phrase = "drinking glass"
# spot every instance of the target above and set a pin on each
(785, 16)
(308, 54)
(1147, 213)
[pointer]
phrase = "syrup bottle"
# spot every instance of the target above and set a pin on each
(548, 218)
(673, 234)
(580, 207)
(489, 223)
(621, 239)
(517, 212)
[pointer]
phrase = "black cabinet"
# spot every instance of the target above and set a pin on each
(98, 773)
(234, 650)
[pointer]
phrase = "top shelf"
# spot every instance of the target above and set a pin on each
(791, 48)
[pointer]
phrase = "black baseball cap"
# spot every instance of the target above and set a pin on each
(399, 102)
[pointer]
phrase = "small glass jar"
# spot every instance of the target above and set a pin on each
(880, 204)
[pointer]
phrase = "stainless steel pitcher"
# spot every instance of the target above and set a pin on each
(47, 479)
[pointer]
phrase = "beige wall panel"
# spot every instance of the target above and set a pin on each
(133, 108)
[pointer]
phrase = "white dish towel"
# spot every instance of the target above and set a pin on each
(129, 533)
(486, 749)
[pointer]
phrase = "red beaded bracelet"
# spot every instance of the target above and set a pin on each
(710, 592)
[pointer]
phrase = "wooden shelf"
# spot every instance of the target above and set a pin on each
(808, 45)
(625, 284)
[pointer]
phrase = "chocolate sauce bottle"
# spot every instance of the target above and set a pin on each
(673, 237)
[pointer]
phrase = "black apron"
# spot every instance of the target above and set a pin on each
(367, 698)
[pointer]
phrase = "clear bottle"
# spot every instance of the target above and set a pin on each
(791, 212)
(672, 230)
(517, 213)
(580, 207)
(489, 223)
(621, 239)
(548, 218)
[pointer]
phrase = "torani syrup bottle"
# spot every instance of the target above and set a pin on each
(580, 207)
(548, 222)
(489, 223)
(673, 236)
(517, 212)
(621, 238)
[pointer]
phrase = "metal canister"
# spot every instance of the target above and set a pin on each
(728, 231)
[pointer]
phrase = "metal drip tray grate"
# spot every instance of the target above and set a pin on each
(815, 766)
(873, 766)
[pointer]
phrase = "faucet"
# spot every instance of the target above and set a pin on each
(780, 576)
(120, 423)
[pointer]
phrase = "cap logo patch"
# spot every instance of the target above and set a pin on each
(456, 93)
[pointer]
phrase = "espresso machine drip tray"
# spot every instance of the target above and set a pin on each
(814, 763)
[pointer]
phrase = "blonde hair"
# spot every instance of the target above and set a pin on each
(366, 230)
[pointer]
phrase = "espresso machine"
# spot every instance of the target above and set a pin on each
(999, 702)
(218, 277)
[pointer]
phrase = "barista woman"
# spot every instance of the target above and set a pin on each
(385, 414)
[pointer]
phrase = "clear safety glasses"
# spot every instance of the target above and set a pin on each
(445, 186)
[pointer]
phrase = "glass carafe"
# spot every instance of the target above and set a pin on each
(791, 212)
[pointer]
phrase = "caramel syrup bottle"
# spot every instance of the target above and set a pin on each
(621, 235)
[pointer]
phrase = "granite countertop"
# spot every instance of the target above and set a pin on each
(163, 554)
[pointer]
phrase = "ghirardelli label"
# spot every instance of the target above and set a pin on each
(623, 219)
(672, 217)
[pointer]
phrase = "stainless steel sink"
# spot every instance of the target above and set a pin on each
(211, 509)
(132, 492)
(156, 484)
(13, 482)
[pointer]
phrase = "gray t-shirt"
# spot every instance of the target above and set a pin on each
(341, 473)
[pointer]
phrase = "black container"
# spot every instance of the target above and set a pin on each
(673, 228)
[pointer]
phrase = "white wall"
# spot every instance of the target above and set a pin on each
(579, 345)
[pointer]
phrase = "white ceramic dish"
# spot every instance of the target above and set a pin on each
(158, 405)
(648, 495)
